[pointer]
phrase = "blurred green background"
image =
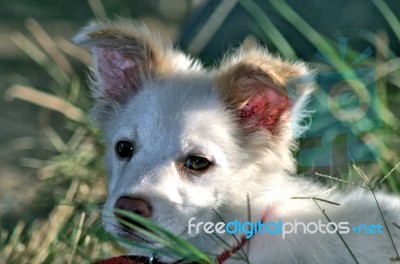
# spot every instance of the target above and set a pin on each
(50, 155)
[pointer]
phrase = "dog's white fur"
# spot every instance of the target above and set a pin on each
(170, 106)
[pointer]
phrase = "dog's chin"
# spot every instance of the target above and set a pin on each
(134, 236)
(131, 237)
(127, 239)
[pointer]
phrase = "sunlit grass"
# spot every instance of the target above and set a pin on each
(73, 232)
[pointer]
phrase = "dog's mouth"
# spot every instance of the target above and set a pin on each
(133, 235)
(129, 230)
(126, 233)
(130, 234)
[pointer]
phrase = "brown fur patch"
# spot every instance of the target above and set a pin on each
(133, 39)
(253, 68)
(247, 75)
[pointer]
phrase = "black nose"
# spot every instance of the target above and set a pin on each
(134, 205)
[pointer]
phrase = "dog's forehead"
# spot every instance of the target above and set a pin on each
(175, 102)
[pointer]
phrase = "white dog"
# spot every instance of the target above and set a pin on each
(188, 145)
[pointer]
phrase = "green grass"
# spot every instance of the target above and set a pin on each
(72, 233)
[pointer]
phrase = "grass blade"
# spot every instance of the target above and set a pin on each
(390, 17)
(45, 100)
(269, 28)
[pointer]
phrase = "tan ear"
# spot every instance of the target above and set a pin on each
(124, 54)
(259, 88)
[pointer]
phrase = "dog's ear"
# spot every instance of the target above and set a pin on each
(264, 91)
(124, 55)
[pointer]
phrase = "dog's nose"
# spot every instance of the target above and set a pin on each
(134, 205)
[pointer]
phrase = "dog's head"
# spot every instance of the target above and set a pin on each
(184, 141)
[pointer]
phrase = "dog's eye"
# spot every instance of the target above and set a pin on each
(124, 149)
(197, 163)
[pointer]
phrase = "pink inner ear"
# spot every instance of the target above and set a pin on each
(264, 109)
(117, 73)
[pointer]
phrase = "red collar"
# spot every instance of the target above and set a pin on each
(226, 254)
